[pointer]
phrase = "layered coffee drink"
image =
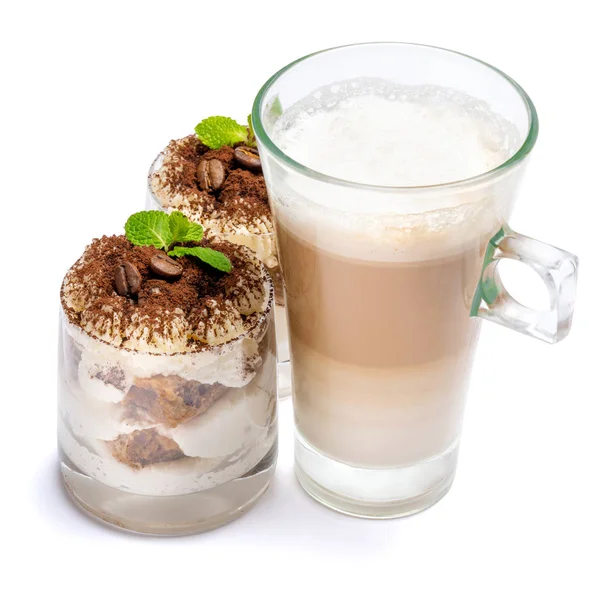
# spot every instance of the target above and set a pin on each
(381, 352)
(379, 287)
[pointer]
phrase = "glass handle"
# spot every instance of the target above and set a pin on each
(558, 270)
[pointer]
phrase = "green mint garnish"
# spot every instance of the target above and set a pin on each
(251, 138)
(163, 231)
(215, 132)
(215, 259)
(149, 228)
(183, 230)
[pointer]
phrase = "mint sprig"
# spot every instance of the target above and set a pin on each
(251, 137)
(216, 132)
(183, 230)
(164, 231)
(149, 228)
(212, 257)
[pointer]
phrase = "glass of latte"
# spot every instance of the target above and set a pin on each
(392, 170)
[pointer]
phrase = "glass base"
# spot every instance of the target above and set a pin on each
(374, 493)
(168, 515)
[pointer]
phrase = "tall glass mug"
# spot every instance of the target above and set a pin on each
(383, 282)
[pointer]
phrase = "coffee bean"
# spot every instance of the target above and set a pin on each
(247, 157)
(165, 266)
(128, 280)
(211, 174)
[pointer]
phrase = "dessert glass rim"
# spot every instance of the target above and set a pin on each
(481, 178)
(218, 347)
(157, 202)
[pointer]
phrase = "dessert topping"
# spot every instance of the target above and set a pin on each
(203, 307)
(164, 266)
(215, 132)
(211, 175)
(187, 181)
(156, 228)
(128, 280)
(248, 158)
(211, 257)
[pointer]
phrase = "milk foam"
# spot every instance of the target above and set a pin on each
(375, 132)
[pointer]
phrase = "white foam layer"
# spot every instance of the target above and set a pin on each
(378, 133)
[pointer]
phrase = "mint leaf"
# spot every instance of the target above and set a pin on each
(251, 138)
(184, 230)
(211, 257)
(149, 228)
(221, 131)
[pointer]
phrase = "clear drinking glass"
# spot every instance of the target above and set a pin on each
(126, 459)
(381, 298)
(257, 243)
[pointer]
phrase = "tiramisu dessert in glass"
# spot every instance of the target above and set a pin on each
(167, 387)
(215, 178)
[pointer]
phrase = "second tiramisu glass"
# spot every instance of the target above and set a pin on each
(230, 202)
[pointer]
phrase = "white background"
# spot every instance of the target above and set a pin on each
(92, 92)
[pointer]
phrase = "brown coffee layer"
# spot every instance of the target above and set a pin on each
(379, 315)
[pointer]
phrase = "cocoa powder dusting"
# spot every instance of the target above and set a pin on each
(160, 302)
(242, 198)
(184, 155)
(224, 154)
(244, 195)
